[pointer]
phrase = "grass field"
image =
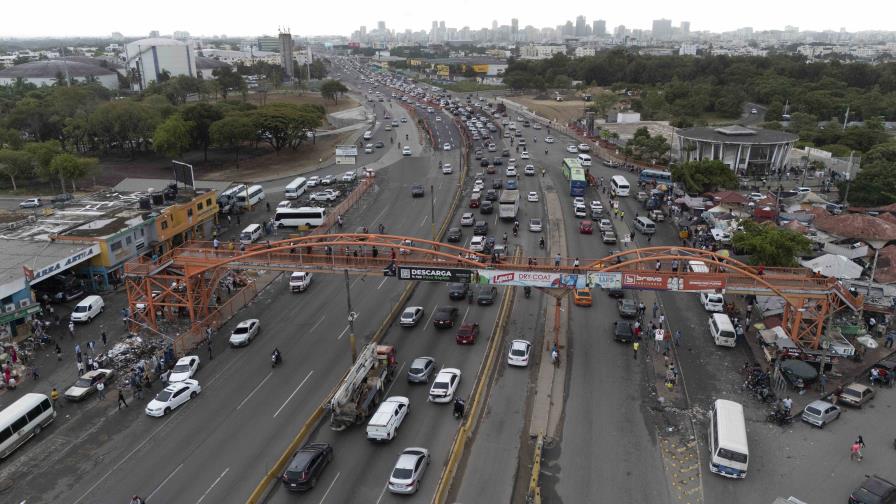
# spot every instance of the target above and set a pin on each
(306, 97)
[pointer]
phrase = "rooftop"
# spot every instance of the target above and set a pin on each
(48, 69)
(14, 255)
(738, 135)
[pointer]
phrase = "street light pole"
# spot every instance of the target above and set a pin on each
(351, 319)
(432, 206)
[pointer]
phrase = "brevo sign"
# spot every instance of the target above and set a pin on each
(650, 281)
(435, 274)
(65, 263)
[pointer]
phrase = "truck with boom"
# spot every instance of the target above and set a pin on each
(508, 204)
(363, 387)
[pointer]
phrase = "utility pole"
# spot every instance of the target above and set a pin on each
(848, 181)
(351, 319)
(432, 207)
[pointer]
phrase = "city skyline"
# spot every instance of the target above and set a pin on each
(198, 19)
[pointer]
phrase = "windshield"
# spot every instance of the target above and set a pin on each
(80, 309)
(241, 330)
(163, 396)
(402, 474)
(182, 368)
(518, 352)
(82, 383)
(733, 456)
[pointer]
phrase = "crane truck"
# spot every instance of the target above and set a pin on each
(364, 387)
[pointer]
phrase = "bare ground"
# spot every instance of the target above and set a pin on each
(561, 112)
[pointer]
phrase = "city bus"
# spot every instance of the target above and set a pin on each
(728, 451)
(295, 188)
(656, 177)
(299, 217)
(250, 197)
(573, 171)
(619, 186)
(23, 419)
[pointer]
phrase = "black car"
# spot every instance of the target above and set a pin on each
(616, 293)
(628, 308)
(379, 145)
(505, 153)
(874, 490)
(458, 291)
(484, 163)
(487, 295)
(491, 195)
(497, 183)
(486, 207)
(622, 331)
(498, 161)
(454, 234)
(417, 191)
(306, 466)
(480, 228)
(444, 316)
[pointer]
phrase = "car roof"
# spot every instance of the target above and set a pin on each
(247, 322)
(408, 458)
(186, 359)
(517, 343)
(448, 371)
(419, 359)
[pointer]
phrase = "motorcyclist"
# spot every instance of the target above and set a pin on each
(786, 405)
(527, 291)
(276, 356)
(534, 139)
(541, 242)
(555, 355)
(459, 407)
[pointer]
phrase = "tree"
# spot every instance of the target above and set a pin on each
(15, 163)
(228, 80)
(875, 184)
(285, 124)
(172, 137)
(704, 176)
(200, 117)
(769, 245)
(332, 89)
(42, 154)
(72, 167)
(231, 131)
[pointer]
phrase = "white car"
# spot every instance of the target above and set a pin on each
(368, 149)
(578, 200)
(510, 171)
(605, 225)
(756, 196)
(438, 119)
(581, 212)
(572, 149)
(30, 203)
(583, 147)
(447, 169)
(184, 369)
(405, 151)
(325, 195)
(524, 155)
(532, 197)
(244, 332)
(408, 471)
(173, 396)
(86, 384)
(444, 386)
(349, 176)
(283, 204)
(529, 170)
(548, 139)
(313, 181)
(467, 219)
(411, 315)
(597, 206)
(535, 225)
(477, 243)
(446, 147)
(519, 353)
(478, 185)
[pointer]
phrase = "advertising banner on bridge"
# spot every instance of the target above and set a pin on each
(435, 274)
(707, 283)
(650, 281)
(611, 280)
(544, 279)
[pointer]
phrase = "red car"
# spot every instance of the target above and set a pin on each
(585, 227)
(467, 334)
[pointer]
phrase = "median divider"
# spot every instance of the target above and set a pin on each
(264, 488)
(488, 366)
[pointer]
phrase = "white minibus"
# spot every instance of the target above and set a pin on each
(722, 330)
(585, 159)
(619, 186)
(298, 217)
(23, 419)
(250, 234)
(250, 197)
(295, 188)
(728, 451)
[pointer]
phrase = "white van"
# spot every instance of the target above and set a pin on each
(645, 225)
(368, 135)
(728, 450)
(23, 419)
(585, 159)
(87, 309)
(712, 301)
(721, 330)
(250, 234)
(383, 425)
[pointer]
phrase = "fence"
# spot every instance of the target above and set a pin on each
(191, 339)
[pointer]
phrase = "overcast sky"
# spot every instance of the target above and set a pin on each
(341, 17)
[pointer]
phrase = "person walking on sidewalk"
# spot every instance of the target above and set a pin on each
(677, 337)
(54, 396)
(105, 340)
(71, 330)
(121, 398)
(635, 347)
(101, 390)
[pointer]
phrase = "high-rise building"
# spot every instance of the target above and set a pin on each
(620, 32)
(568, 29)
(363, 32)
(381, 25)
(154, 34)
(286, 58)
(514, 29)
(580, 26)
(685, 28)
(600, 28)
(662, 29)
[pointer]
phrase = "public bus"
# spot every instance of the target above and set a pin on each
(619, 186)
(295, 188)
(23, 419)
(656, 177)
(728, 449)
(573, 171)
(299, 217)
(250, 197)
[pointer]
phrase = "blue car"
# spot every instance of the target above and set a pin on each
(510, 184)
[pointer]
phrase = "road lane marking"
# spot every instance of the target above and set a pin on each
(397, 373)
(381, 283)
(425, 218)
(318, 323)
(356, 281)
(380, 216)
(255, 389)
(213, 486)
(429, 319)
(382, 493)
(329, 488)
(163, 482)
(291, 396)
(465, 315)
(123, 460)
(221, 373)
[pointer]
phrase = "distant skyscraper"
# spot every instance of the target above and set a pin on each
(568, 29)
(580, 26)
(381, 25)
(286, 58)
(619, 32)
(514, 29)
(685, 28)
(600, 28)
(662, 29)
(363, 31)
(154, 34)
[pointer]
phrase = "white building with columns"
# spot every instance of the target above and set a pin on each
(745, 150)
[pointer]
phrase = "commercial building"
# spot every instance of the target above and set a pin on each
(286, 58)
(48, 72)
(537, 52)
(148, 58)
(745, 150)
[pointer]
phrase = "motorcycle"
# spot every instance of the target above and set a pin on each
(779, 417)
(527, 291)
(276, 359)
(541, 243)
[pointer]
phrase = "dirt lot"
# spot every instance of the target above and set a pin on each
(561, 112)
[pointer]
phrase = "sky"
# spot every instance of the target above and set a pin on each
(207, 18)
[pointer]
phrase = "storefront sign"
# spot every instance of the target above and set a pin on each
(65, 263)
(435, 274)
(24, 312)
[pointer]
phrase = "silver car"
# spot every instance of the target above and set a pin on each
(421, 370)
(535, 225)
(820, 413)
(408, 471)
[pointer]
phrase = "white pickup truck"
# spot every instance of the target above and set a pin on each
(299, 281)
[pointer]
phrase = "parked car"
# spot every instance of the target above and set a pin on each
(306, 466)
(623, 331)
(421, 370)
(86, 384)
(820, 413)
(172, 396)
(184, 368)
(856, 394)
(627, 308)
(244, 332)
(874, 490)
(30, 203)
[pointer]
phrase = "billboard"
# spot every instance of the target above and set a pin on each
(708, 283)
(480, 69)
(183, 173)
(346, 150)
(435, 274)
(545, 279)
(650, 281)
(611, 280)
